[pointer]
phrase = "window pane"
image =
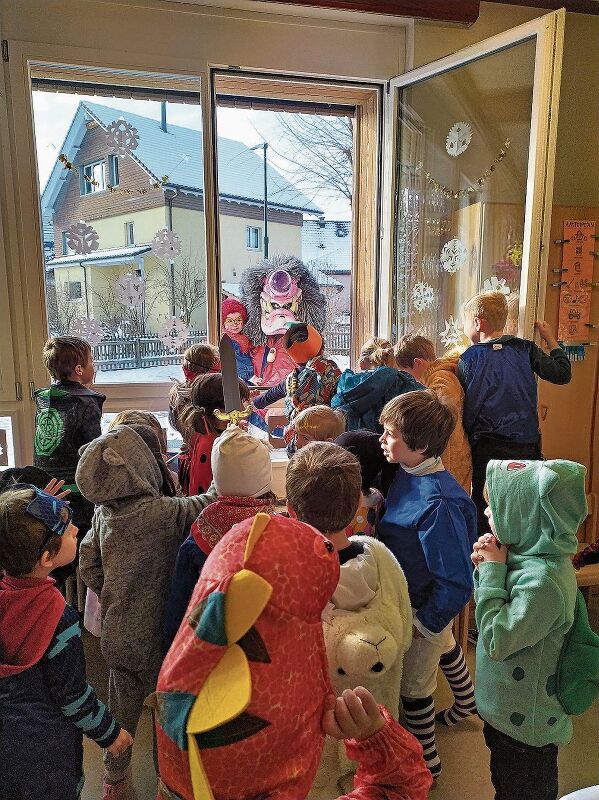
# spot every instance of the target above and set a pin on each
(7, 450)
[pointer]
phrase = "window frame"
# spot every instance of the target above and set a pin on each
(70, 297)
(248, 235)
(129, 227)
(113, 170)
(85, 187)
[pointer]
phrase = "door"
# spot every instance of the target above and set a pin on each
(468, 182)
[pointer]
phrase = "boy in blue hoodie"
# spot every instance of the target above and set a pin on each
(525, 590)
(429, 526)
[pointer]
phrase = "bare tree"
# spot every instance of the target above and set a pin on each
(62, 311)
(117, 318)
(186, 287)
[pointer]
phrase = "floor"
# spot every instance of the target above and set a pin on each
(465, 758)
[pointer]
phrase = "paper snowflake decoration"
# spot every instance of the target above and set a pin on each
(496, 284)
(453, 255)
(458, 138)
(88, 329)
(452, 334)
(173, 333)
(423, 296)
(130, 290)
(82, 238)
(166, 244)
(122, 137)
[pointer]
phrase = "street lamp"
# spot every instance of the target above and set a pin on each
(263, 146)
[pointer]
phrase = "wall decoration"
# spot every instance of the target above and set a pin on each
(122, 137)
(453, 255)
(514, 254)
(173, 333)
(88, 329)
(447, 191)
(575, 294)
(495, 284)
(3, 449)
(82, 238)
(423, 296)
(452, 334)
(109, 188)
(130, 290)
(166, 244)
(458, 138)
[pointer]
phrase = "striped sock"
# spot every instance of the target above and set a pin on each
(455, 670)
(420, 721)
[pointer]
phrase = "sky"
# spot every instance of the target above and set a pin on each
(53, 113)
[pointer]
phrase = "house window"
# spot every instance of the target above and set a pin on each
(253, 238)
(129, 233)
(66, 250)
(113, 170)
(93, 178)
(74, 290)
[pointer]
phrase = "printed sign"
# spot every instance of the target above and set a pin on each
(575, 294)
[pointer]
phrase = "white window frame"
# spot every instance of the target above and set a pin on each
(66, 250)
(129, 229)
(85, 187)
(113, 170)
(249, 234)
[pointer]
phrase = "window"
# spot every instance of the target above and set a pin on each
(74, 290)
(66, 250)
(253, 238)
(113, 170)
(93, 178)
(129, 233)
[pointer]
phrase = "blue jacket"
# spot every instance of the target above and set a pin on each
(500, 389)
(245, 365)
(189, 563)
(361, 396)
(430, 526)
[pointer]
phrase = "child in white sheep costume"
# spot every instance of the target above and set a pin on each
(368, 624)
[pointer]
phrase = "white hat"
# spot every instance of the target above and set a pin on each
(240, 465)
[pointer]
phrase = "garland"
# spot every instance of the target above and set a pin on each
(114, 189)
(447, 191)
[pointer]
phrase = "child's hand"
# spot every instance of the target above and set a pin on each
(354, 715)
(54, 488)
(122, 742)
(488, 548)
(546, 333)
(255, 380)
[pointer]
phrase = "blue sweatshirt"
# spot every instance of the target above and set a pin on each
(430, 526)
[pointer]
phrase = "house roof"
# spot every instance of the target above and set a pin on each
(178, 153)
(115, 255)
(327, 244)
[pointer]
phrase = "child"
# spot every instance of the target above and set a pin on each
(242, 476)
(429, 525)
(498, 376)
(525, 591)
(198, 360)
(137, 417)
(234, 316)
(315, 424)
(46, 704)
(266, 656)
(362, 395)
(416, 355)
(200, 428)
(68, 415)
(127, 559)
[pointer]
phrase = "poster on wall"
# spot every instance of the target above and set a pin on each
(3, 449)
(575, 294)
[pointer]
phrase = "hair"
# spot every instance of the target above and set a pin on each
(320, 423)
(63, 353)
(412, 346)
(323, 486)
(35, 476)
(513, 312)
(23, 539)
(153, 442)
(377, 353)
(138, 417)
(366, 447)
(206, 396)
(179, 397)
(424, 420)
(200, 358)
(490, 306)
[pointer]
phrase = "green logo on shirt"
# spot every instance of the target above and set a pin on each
(49, 432)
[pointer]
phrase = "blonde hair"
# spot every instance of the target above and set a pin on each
(377, 353)
(320, 423)
(138, 417)
(412, 346)
(513, 313)
(201, 358)
(490, 306)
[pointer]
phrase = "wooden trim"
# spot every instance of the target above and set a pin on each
(466, 11)
(277, 88)
(211, 200)
(577, 6)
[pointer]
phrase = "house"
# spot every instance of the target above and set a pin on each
(326, 246)
(159, 185)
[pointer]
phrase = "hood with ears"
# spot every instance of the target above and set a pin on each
(117, 466)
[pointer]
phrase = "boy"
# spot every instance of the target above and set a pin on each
(46, 704)
(525, 591)
(316, 424)
(429, 525)
(68, 415)
(498, 376)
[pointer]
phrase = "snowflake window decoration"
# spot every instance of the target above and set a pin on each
(88, 329)
(453, 255)
(423, 296)
(496, 284)
(458, 138)
(130, 290)
(166, 244)
(173, 333)
(452, 334)
(82, 238)
(122, 137)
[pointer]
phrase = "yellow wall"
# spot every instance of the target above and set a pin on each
(235, 255)
(111, 230)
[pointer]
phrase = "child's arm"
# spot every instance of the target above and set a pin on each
(189, 563)
(265, 399)
(63, 669)
(187, 509)
(554, 367)
(90, 561)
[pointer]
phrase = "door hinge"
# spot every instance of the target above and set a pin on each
(32, 390)
(4, 49)
(19, 390)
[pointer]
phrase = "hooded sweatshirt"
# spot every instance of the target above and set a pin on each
(128, 557)
(362, 395)
(525, 607)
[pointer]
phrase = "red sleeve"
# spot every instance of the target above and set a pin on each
(390, 765)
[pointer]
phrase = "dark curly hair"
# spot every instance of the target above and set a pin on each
(206, 396)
